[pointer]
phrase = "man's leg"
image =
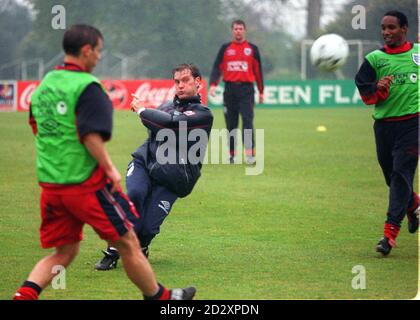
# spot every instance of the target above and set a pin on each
(413, 213)
(404, 168)
(400, 180)
(159, 204)
(384, 143)
(109, 214)
(60, 230)
(42, 274)
(136, 264)
(140, 272)
(247, 113)
(231, 113)
(138, 187)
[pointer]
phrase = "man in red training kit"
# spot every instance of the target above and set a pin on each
(71, 117)
(239, 63)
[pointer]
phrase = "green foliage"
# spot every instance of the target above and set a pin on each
(16, 17)
(169, 32)
(164, 32)
(374, 13)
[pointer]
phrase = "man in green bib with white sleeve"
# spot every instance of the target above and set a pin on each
(388, 79)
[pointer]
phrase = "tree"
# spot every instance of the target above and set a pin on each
(374, 12)
(168, 32)
(16, 17)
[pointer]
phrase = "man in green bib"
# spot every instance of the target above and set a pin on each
(388, 79)
(71, 118)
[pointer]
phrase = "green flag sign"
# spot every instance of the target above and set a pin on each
(311, 93)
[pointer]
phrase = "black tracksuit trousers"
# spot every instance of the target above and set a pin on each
(239, 99)
(397, 152)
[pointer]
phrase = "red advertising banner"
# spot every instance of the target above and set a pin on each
(152, 92)
(24, 93)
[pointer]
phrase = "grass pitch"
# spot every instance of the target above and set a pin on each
(294, 232)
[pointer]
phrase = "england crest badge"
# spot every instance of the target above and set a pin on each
(416, 58)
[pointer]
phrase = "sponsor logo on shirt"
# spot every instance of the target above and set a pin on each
(416, 58)
(240, 66)
(382, 63)
(62, 108)
(231, 52)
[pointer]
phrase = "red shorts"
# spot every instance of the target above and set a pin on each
(64, 215)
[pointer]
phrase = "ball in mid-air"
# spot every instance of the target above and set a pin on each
(329, 52)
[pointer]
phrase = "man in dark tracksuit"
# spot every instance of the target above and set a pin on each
(388, 79)
(163, 168)
(240, 64)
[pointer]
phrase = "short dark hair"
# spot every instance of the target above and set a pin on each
(402, 18)
(79, 35)
(238, 21)
(187, 66)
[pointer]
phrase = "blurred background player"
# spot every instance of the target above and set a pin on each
(152, 184)
(71, 117)
(239, 63)
(388, 79)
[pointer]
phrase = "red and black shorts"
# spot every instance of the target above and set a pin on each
(111, 215)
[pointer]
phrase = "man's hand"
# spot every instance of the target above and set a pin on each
(212, 91)
(115, 178)
(384, 83)
(261, 97)
(136, 105)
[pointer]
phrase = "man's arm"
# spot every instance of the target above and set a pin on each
(32, 122)
(96, 147)
(257, 68)
(94, 112)
(371, 90)
(155, 119)
(94, 126)
(217, 70)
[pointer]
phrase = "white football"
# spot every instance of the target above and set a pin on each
(329, 52)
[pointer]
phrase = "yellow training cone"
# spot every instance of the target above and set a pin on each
(321, 129)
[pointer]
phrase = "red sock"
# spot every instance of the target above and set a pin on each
(391, 232)
(162, 294)
(166, 294)
(26, 293)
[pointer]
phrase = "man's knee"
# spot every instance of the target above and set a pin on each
(134, 193)
(405, 167)
(67, 253)
(126, 243)
(248, 121)
(136, 196)
(148, 232)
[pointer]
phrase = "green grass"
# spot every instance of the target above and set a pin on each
(293, 232)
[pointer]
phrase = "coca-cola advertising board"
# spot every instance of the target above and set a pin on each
(151, 92)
